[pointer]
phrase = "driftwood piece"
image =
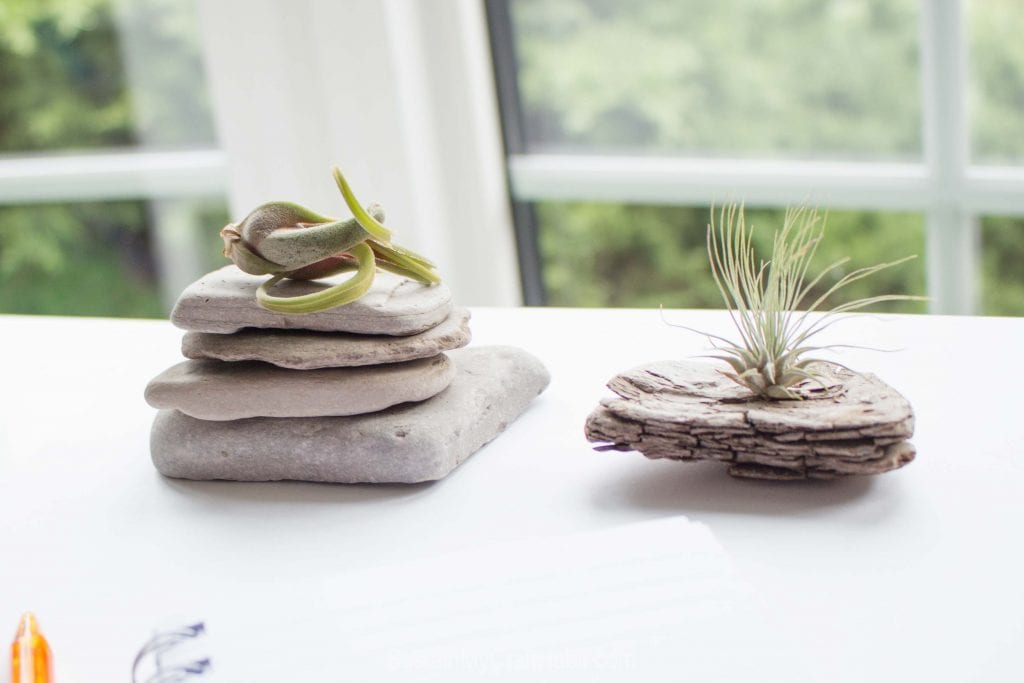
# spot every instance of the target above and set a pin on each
(848, 423)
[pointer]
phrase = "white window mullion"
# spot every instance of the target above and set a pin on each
(952, 233)
(111, 175)
(684, 181)
(995, 190)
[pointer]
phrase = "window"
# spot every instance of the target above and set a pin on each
(624, 121)
(110, 173)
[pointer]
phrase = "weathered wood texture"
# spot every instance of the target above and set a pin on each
(850, 424)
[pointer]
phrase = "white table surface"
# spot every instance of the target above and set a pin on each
(912, 575)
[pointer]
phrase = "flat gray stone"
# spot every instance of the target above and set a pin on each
(404, 444)
(214, 390)
(305, 350)
(224, 301)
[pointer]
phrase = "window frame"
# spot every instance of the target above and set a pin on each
(469, 173)
(952, 193)
(412, 117)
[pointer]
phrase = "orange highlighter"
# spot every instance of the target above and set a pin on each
(31, 661)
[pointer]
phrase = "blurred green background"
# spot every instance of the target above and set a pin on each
(66, 89)
(792, 79)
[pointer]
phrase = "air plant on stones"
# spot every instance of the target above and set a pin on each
(286, 240)
(771, 302)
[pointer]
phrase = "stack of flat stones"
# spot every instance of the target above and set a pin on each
(846, 424)
(378, 390)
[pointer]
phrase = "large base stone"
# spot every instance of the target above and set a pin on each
(849, 424)
(306, 350)
(224, 301)
(404, 444)
(214, 390)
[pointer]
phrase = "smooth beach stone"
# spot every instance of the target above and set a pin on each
(224, 301)
(214, 390)
(404, 444)
(305, 350)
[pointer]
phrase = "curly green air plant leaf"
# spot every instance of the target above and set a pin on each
(764, 300)
(286, 240)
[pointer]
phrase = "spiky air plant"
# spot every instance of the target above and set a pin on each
(771, 304)
(286, 240)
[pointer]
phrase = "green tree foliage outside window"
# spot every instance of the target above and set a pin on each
(832, 79)
(65, 88)
(809, 78)
(1002, 265)
(648, 256)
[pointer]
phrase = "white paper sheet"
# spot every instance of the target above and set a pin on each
(659, 599)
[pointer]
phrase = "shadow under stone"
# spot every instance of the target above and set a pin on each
(294, 493)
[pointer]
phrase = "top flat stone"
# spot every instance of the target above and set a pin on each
(224, 301)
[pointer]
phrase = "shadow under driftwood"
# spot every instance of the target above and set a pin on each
(706, 487)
